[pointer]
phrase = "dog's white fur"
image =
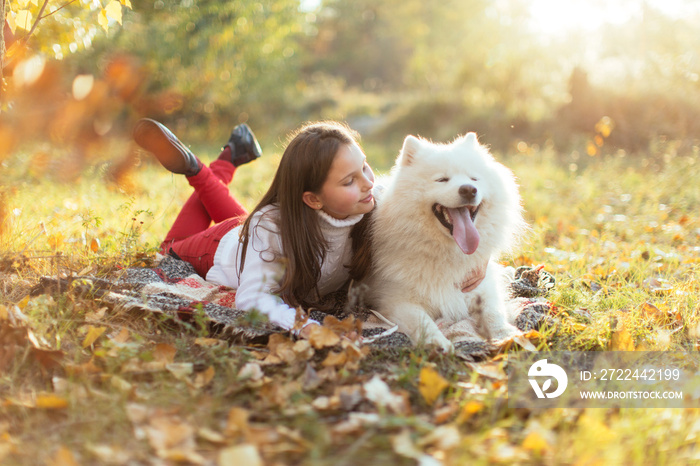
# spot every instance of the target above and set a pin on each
(418, 267)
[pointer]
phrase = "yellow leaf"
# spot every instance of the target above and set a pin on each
(468, 410)
(335, 359)
(431, 384)
(102, 20)
(56, 241)
(92, 335)
(181, 370)
(651, 312)
(164, 353)
(207, 342)
(11, 23)
(122, 337)
(22, 304)
(321, 337)
(95, 245)
(535, 442)
(63, 457)
(82, 369)
(126, 3)
(237, 422)
(50, 401)
(241, 454)
(203, 378)
(114, 11)
(621, 339)
(23, 20)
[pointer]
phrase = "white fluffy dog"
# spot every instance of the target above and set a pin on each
(447, 212)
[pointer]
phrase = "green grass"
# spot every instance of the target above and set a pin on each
(619, 234)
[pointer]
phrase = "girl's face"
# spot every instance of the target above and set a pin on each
(348, 186)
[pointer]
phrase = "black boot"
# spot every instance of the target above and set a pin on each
(242, 147)
(170, 152)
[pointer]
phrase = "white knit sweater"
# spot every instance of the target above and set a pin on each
(263, 270)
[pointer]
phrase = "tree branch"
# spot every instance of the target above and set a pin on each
(57, 9)
(36, 23)
(2, 42)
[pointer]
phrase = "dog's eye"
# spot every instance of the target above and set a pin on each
(475, 178)
(444, 179)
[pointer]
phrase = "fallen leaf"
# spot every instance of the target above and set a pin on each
(210, 435)
(535, 442)
(181, 370)
(237, 423)
(431, 384)
(620, 338)
(95, 245)
(172, 439)
(658, 285)
(321, 337)
(109, 454)
(442, 415)
(490, 369)
(203, 378)
(120, 384)
(355, 423)
(469, 410)
(137, 413)
(50, 401)
(251, 371)
(343, 327)
(63, 457)
(443, 438)
(378, 392)
(281, 350)
(92, 335)
(403, 445)
(303, 349)
(88, 368)
(55, 241)
(121, 337)
(325, 403)
(349, 396)
(524, 342)
(245, 454)
(5, 450)
(165, 353)
(207, 342)
(49, 359)
(335, 359)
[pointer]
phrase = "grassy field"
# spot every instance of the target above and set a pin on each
(620, 234)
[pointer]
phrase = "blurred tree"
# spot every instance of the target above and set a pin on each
(56, 28)
(230, 61)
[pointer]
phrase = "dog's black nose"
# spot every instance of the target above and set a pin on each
(468, 192)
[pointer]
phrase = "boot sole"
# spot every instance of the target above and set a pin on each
(169, 151)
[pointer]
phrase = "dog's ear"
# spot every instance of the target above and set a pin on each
(470, 139)
(408, 152)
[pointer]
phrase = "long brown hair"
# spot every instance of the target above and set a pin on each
(304, 167)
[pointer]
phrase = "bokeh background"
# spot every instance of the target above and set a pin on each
(583, 78)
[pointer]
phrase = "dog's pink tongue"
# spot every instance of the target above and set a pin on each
(463, 230)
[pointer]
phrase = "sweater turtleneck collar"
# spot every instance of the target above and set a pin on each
(338, 223)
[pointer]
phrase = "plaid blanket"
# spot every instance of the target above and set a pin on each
(173, 290)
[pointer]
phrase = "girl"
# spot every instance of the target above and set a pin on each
(301, 242)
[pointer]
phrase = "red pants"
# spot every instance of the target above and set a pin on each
(191, 237)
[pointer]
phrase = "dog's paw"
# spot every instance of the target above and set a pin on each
(439, 341)
(504, 333)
